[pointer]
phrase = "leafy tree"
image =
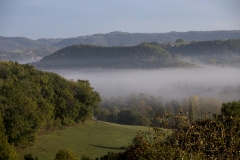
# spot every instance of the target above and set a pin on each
(90, 99)
(126, 117)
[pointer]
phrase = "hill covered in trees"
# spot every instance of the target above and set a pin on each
(90, 56)
(23, 49)
(146, 55)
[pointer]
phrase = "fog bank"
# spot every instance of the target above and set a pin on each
(222, 83)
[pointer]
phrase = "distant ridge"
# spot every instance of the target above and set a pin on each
(12, 43)
(118, 38)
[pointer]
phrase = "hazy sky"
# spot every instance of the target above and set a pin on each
(71, 18)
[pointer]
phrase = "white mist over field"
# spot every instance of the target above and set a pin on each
(222, 83)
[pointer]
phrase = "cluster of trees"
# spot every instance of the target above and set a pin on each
(33, 102)
(139, 109)
(144, 55)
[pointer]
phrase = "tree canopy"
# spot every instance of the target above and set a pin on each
(33, 101)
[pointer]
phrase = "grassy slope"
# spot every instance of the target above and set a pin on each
(93, 139)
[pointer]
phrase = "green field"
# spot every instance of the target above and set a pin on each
(92, 138)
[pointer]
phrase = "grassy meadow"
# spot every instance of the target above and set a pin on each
(92, 138)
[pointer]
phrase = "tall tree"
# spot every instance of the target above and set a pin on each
(191, 112)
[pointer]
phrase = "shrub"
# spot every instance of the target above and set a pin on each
(66, 154)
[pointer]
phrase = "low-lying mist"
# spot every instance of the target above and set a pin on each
(221, 83)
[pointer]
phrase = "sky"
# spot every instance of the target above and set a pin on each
(71, 18)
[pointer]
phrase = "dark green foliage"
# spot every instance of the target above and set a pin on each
(132, 118)
(231, 109)
(85, 158)
(109, 156)
(33, 101)
(29, 157)
(66, 154)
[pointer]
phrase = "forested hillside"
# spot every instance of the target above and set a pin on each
(34, 102)
(217, 52)
(90, 56)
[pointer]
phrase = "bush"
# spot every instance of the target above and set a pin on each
(66, 154)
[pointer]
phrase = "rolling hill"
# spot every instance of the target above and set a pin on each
(144, 56)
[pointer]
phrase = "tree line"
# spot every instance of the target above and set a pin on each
(139, 109)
